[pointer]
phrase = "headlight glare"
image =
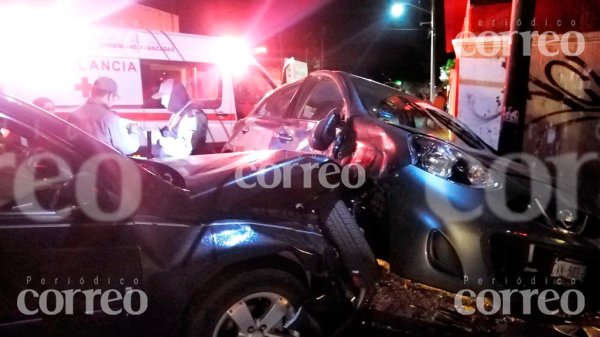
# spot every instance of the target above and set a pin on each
(446, 161)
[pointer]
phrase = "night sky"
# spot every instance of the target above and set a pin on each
(358, 35)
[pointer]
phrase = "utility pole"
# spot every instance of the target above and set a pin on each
(397, 10)
(516, 87)
(432, 56)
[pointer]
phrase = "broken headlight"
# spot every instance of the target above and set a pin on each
(446, 161)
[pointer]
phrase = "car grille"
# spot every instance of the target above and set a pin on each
(585, 224)
(516, 264)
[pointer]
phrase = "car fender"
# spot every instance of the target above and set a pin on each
(237, 245)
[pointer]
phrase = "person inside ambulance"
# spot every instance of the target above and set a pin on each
(185, 133)
(98, 119)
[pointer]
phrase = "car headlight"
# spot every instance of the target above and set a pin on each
(446, 161)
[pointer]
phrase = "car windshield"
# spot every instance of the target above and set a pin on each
(395, 108)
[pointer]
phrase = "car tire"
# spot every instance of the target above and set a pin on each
(221, 312)
(349, 239)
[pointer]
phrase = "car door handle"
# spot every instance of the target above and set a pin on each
(245, 129)
(221, 114)
(285, 136)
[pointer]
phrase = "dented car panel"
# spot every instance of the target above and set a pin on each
(174, 245)
(449, 233)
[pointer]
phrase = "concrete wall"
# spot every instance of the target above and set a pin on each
(481, 72)
(564, 108)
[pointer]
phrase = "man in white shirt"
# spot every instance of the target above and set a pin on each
(185, 133)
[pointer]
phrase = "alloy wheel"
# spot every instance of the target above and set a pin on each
(258, 315)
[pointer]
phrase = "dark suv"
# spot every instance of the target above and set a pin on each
(96, 243)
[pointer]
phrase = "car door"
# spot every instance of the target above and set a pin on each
(318, 95)
(256, 131)
(49, 252)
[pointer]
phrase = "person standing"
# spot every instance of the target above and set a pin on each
(440, 100)
(185, 133)
(98, 119)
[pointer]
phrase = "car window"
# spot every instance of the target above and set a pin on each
(277, 103)
(397, 111)
(395, 108)
(26, 158)
(320, 98)
(203, 81)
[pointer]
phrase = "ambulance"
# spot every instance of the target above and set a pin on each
(220, 74)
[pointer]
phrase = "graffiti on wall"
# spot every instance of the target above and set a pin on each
(574, 98)
(563, 107)
(563, 112)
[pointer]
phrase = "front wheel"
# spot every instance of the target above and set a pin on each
(255, 303)
(351, 243)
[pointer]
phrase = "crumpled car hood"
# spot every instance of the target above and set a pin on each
(198, 171)
(230, 183)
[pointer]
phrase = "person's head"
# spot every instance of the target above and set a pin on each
(44, 103)
(172, 95)
(104, 89)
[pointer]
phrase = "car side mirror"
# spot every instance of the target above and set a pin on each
(324, 133)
